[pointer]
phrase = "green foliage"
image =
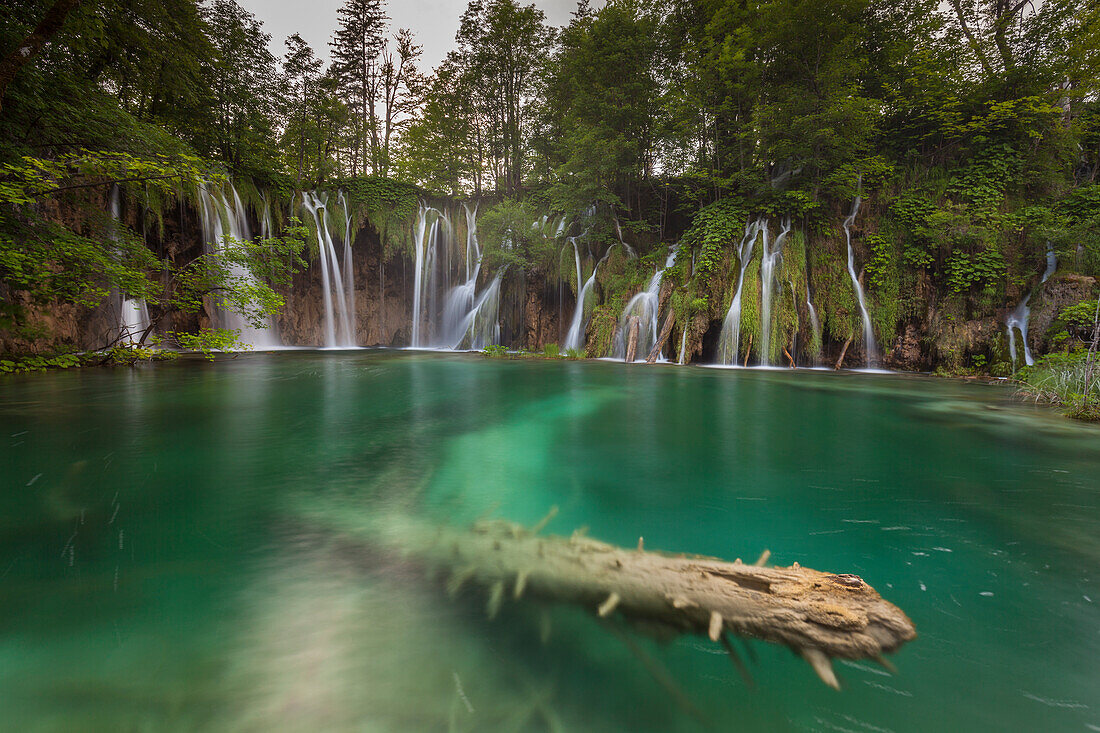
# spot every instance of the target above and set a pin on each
(25, 364)
(1064, 379)
(1079, 318)
(209, 341)
(984, 269)
(118, 355)
(388, 205)
(495, 351)
(551, 351)
(714, 228)
(509, 241)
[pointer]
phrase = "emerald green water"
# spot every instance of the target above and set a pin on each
(163, 567)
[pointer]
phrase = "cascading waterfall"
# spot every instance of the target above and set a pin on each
(1017, 320)
(481, 326)
(574, 338)
(339, 318)
(221, 220)
(133, 313)
(868, 332)
(768, 263)
(471, 320)
(683, 347)
(729, 341)
(644, 305)
(813, 313)
(349, 268)
(466, 319)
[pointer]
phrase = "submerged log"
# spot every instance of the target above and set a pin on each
(820, 616)
(666, 331)
(635, 328)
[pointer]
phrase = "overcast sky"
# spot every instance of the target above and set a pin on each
(434, 22)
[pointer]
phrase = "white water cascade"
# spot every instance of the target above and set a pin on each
(471, 320)
(1017, 320)
(349, 266)
(868, 332)
(768, 263)
(337, 287)
(223, 223)
(644, 305)
(814, 324)
(133, 314)
(445, 297)
(574, 337)
(730, 339)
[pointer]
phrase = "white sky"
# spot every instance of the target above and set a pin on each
(433, 22)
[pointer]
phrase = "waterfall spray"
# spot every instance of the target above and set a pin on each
(133, 314)
(768, 263)
(1018, 319)
(339, 319)
(223, 224)
(644, 305)
(730, 339)
(868, 332)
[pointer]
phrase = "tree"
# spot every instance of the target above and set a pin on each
(29, 47)
(301, 78)
(242, 81)
(356, 52)
(402, 87)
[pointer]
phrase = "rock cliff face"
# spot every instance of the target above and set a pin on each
(383, 299)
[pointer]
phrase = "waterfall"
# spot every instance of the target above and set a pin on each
(619, 234)
(481, 326)
(223, 224)
(814, 324)
(729, 342)
(349, 268)
(1017, 320)
(768, 262)
(683, 347)
(868, 332)
(339, 318)
(133, 314)
(574, 337)
(644, 305)
(466, 319)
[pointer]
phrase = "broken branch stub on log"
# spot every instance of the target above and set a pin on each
(821, 616)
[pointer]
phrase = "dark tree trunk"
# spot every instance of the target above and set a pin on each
(29, 47)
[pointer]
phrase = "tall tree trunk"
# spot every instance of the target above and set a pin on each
(29, 47)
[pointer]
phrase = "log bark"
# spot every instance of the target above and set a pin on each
(843, 353)
(821, 616)
(635, 327)
(666, 331)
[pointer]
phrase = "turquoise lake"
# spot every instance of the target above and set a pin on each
(165, 563)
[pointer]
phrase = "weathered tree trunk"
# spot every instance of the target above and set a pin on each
(818, 615)
(843, 353)
(634, 326)
(789, 357)
(29, 47)
(666, 330)
(748, 351)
